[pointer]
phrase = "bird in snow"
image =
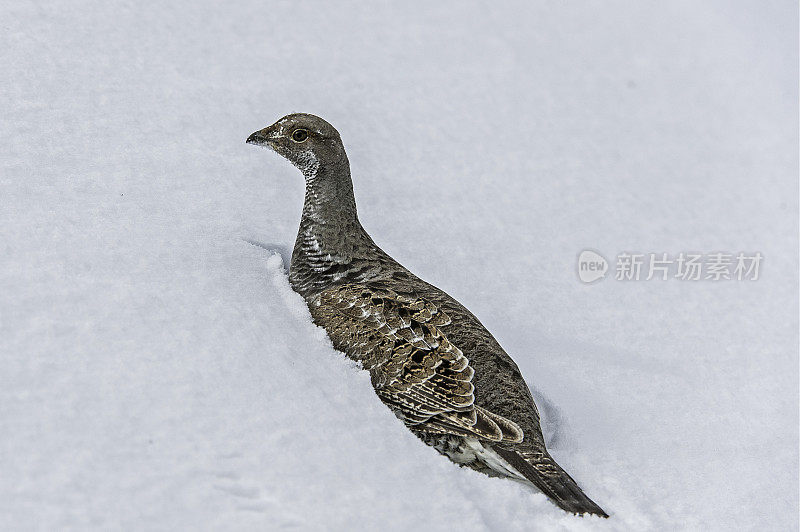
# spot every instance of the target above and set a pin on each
(430, 360)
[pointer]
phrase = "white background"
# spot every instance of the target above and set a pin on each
(158, 373)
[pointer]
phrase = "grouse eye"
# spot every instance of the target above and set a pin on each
(300, 135)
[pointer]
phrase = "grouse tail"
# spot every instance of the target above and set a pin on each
(544, 473)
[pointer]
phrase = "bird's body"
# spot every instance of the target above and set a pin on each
(431, 361)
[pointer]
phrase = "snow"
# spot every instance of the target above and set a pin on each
(158, 373)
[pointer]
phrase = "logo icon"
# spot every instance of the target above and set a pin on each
(592, 266)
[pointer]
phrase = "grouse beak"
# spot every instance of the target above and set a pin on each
(259, 138)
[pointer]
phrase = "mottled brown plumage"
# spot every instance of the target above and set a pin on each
(430, 360)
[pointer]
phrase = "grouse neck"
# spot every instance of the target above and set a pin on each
(330, 240)
(329, 198)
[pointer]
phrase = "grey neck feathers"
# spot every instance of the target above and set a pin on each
(330, 238)
(329, 196)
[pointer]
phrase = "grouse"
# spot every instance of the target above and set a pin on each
(430, 360)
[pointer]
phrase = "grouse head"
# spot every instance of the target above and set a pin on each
(307, 141)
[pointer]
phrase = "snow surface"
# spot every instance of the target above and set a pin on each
(158, 372)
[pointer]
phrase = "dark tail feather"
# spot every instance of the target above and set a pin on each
(554, 482)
